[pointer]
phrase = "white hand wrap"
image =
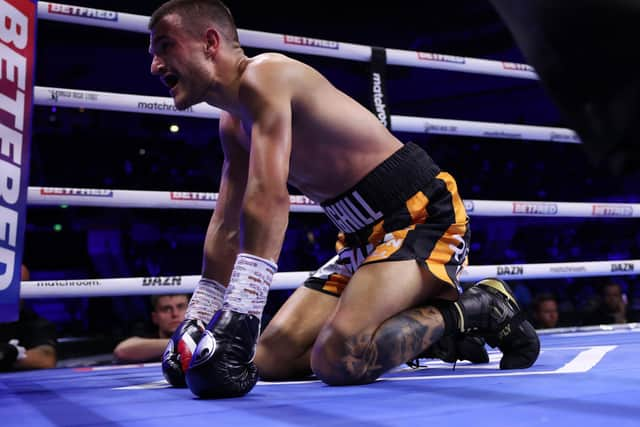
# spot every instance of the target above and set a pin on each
(249, 286)
(22, 352)
(206, 300)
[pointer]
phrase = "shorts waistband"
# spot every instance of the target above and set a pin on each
(383, 191)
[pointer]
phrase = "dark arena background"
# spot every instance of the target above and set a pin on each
(85, 148)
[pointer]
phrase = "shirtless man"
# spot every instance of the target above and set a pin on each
(393, 289)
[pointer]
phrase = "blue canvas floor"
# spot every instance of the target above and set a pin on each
(586, 379)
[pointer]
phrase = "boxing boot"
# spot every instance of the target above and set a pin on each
(489, 309)
(452, 348)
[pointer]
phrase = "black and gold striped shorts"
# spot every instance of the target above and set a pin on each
(406, 208)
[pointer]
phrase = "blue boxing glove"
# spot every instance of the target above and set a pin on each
(222, 364)
(177, 356)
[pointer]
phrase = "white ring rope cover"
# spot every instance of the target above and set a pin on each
(291, 280)
(297, 44)
(75, 98)
(98, 197)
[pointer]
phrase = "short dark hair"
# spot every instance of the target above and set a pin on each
(154, 299)
(197, 13)
(608, 283)
(543, 297)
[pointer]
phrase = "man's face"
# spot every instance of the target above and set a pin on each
(547, 314)
(613, 297)
(179, 59)
(169, 313)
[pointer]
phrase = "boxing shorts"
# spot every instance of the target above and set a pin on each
(406, 208)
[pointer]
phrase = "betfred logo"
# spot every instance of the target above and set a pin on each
(306, 41)
(299, 200)
(535, 208)
(437, 57)
(612, 210)
(83, 12)
(182, 195)
(83, 192)
(517, 67)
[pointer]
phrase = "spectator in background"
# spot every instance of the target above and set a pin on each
(612, 306)
(28, 343)
(167, 313)
(545, 311)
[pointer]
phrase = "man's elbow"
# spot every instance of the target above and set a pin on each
(123, 352)
(50, 361)
(119, 353)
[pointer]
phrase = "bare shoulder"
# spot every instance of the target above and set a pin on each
(275, 70)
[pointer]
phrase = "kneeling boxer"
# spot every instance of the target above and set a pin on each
(406, 233)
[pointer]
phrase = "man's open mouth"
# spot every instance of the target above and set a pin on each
(170, 80)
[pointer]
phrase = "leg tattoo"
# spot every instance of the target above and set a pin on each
(366, 356)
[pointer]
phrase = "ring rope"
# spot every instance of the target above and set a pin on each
(297, 44)
(74, 98)
(98, 197)
(291, 280)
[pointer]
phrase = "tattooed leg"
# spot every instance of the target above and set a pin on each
(341, 360)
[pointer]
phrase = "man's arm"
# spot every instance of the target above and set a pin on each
(265, 209)
(39, 357)
(138, 349)
(222, 238)
(224, 364)
(39, 337)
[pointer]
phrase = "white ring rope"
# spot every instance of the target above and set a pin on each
(74, 98)
(94, 197)
(289, 43)
(291, 280)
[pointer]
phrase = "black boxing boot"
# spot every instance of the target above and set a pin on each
(178, 353)
(459, 347)
(222, 365)
(489, 309)
(452, 348)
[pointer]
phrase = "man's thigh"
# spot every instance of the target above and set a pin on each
(378, 291)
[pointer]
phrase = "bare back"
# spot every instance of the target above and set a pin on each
(335, 140)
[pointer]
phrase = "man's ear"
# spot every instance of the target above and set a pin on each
(212, 38)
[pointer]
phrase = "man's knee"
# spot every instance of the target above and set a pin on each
(341, 359)
(269, 356)
(276, 353)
